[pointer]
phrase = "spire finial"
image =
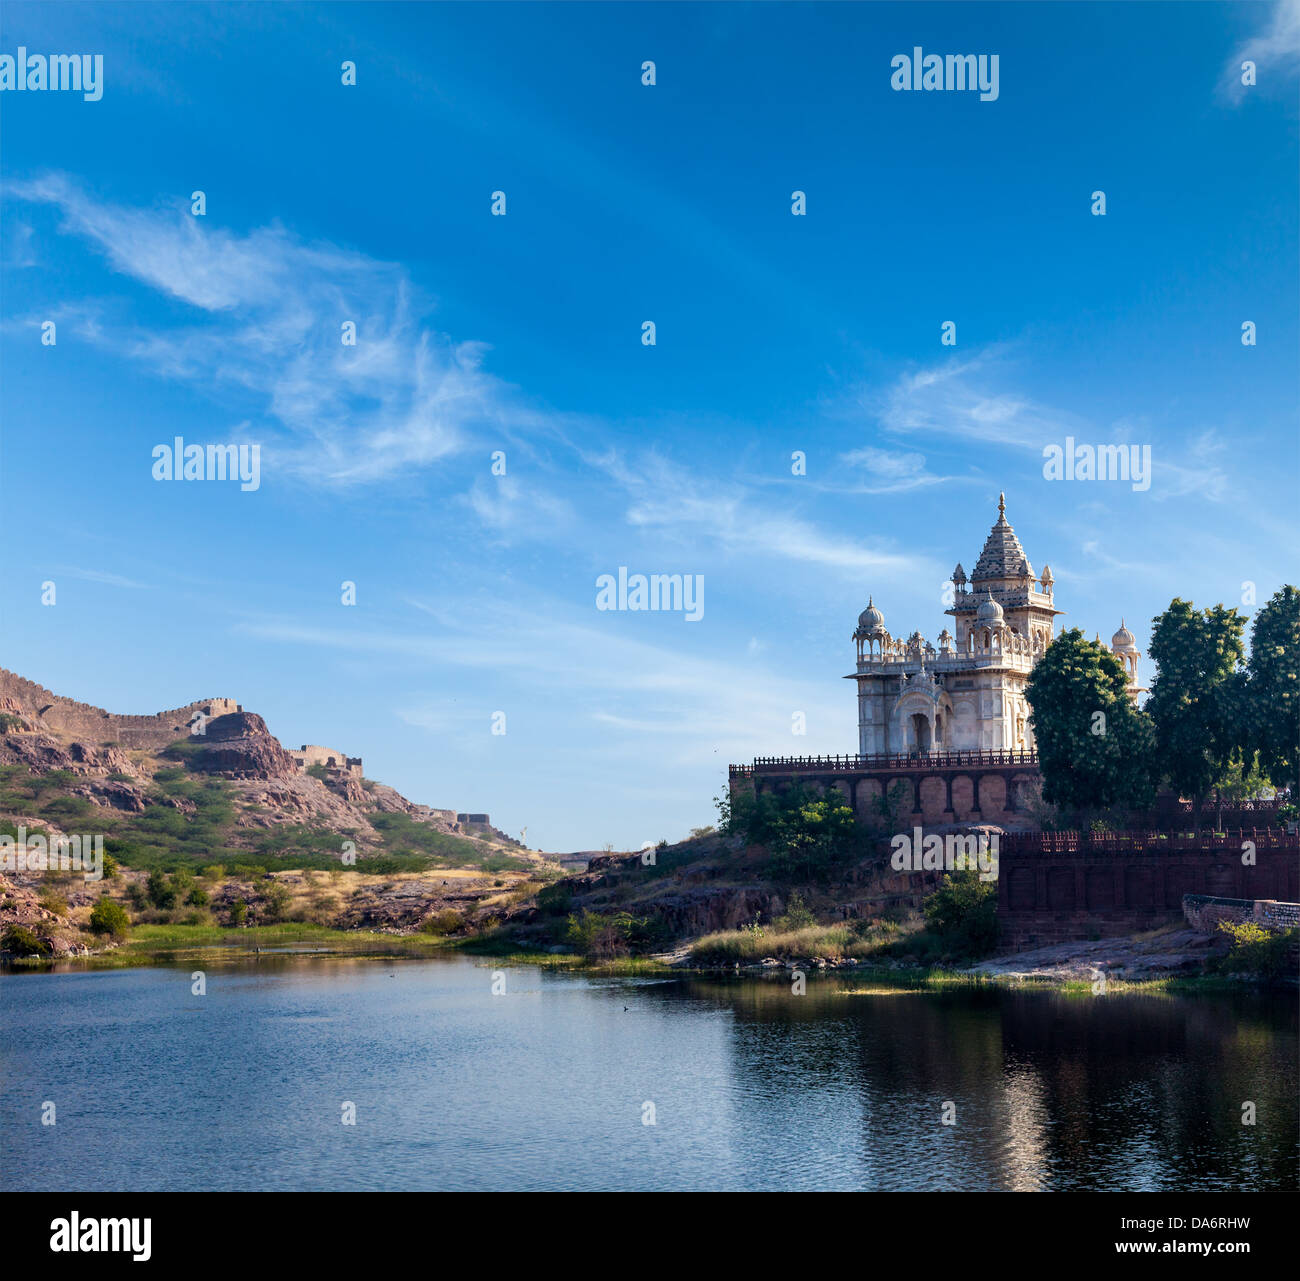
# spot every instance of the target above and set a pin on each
(1002, 505)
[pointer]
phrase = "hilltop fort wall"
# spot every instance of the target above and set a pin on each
(328, 757)
(59, 715)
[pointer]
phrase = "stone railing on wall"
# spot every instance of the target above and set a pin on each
(884, 761)
(1205, 911)
(1103, 843)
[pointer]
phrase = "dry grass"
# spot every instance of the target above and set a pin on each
(834, 942)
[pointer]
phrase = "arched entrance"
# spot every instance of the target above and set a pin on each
(920, 735)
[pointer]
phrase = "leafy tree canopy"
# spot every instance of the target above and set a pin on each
(1094, 744)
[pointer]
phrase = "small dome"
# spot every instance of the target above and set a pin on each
(959, 574)
(871, 619)
(1047, 574)
(1123, 639)
(989, 611)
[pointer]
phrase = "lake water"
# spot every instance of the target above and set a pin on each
(546, 1085)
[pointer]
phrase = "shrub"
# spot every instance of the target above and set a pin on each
(109, 917)
(277, 898)
(797, 914)
(554, 900)
(159, 892)
(20, 941)
(448, 921)
(1257, 951)
(963, 913)
(198, 897)
(601, 936)
(238, 912)
(213, 872)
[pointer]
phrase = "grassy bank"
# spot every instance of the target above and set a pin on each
(206, 945)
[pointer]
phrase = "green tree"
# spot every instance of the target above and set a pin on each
(963, 912)
(1094, 745)
(811, 837)
(160, 893)
(277, 898)
(1198, 698)
(18, 940)
(602, 936)
(1241, 780)
(109, 917)
(1273, 687)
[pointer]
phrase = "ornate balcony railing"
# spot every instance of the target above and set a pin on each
(885, 761)
(1148, 841)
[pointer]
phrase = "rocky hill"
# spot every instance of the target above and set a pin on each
(206, 780)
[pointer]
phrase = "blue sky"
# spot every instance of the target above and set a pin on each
(476, 593)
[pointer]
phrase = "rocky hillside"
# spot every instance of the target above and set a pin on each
(206, 787)
(656, 901)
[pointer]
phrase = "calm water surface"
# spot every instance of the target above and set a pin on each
(545, 1086)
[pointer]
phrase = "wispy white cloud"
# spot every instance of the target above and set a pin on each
(267, 316)
(101, 576)
(975, 399)
(969, 399)
(890, 471)
(1276, 47)
(667, 498)
(18, 245)
(1201, 473)
(509, 506)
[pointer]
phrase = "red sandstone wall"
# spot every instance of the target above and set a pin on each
(1056, 898)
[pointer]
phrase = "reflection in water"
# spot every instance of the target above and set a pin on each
(544, 1086)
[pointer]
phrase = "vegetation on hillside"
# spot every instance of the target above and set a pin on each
(807, 834)
(191, 819)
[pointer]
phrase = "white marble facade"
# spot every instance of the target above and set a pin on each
(966, 693)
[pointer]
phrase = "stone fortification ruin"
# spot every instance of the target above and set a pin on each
(222, 739)
(43, 710)
(327, 758)
(214, 720)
